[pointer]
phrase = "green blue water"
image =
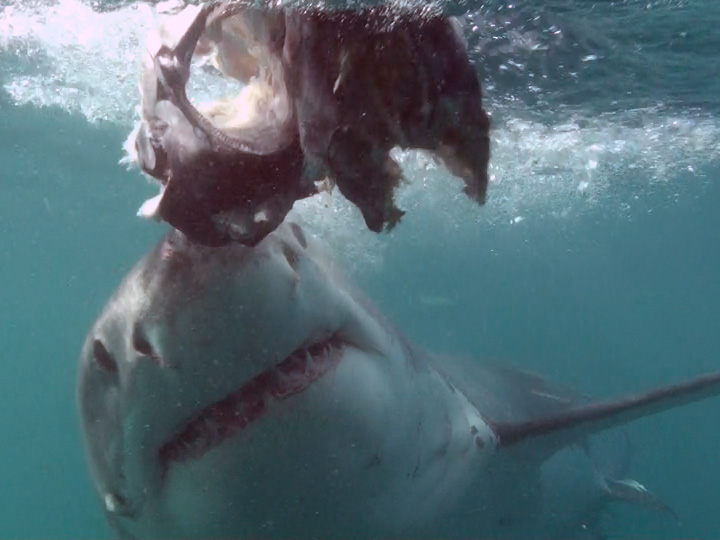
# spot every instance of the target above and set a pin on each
(595, 260)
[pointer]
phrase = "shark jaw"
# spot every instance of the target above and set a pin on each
(213, 425)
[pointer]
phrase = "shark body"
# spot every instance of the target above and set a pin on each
(255, 392)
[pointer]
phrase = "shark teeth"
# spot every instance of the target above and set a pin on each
(211, 426)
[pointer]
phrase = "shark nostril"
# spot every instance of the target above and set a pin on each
(103, 358)
(140, 343)
(299, 234)
(290, 255)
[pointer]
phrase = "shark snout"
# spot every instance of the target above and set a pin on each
(121, 363)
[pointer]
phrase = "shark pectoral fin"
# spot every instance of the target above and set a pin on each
(634, 492)
(546, 434)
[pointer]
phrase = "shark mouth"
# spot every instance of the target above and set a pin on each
(211, 426)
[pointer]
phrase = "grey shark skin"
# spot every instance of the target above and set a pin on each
(254, 392)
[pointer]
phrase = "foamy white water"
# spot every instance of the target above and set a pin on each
(64, 54)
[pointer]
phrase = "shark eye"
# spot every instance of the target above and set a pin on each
(103, 358)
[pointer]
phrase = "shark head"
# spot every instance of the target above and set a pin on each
(197, 345)
(223, 389)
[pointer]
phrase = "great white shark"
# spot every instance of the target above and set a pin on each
(255, 392)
